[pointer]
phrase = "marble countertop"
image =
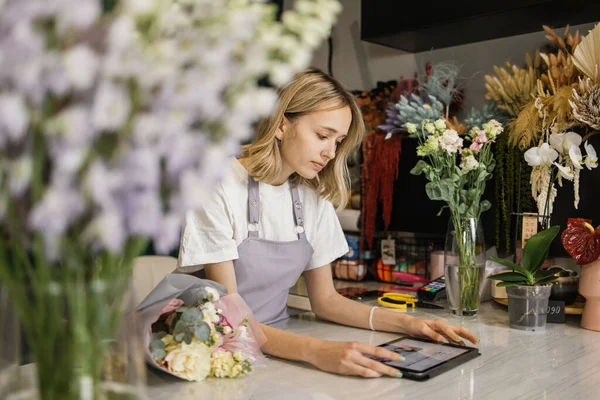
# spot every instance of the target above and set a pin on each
(562, 362)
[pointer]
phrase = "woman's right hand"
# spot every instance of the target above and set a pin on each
(349, 358)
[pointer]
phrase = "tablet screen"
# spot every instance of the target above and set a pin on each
(420, 356)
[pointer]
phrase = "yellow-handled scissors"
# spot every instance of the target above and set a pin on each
(397, 300)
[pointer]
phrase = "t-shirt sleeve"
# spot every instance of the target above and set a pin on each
(329, 242)
(208, 235)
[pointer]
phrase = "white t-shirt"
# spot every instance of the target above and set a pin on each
(213, 233)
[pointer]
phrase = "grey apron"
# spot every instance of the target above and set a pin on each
(266, 269)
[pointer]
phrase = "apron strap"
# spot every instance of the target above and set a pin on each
(298, 215)
(253, 207)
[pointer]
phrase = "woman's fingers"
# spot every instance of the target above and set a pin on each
(448, 332)
(363, 350)
(430, 333)
(467, 334)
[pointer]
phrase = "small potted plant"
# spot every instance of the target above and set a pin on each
(527, 286)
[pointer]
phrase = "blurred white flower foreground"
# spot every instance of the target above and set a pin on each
(115, 122)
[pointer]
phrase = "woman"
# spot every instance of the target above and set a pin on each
(272, 219)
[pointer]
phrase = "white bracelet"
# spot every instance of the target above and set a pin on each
(371, 318)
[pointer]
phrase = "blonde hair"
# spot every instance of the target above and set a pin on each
(310, 91)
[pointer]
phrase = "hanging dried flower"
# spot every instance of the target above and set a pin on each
(586, 108)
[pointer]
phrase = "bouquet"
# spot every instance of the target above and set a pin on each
(457, 175)
(191, 331)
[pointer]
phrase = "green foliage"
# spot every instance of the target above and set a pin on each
(157, 347)
(190, 325)
(534, 254)
(511, 187)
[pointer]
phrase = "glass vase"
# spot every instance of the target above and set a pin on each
(84, 340)
(464, 264)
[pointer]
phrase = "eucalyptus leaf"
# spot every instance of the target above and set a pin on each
(192, 315)
(158, 335)
(536, 249)
(187, 337)
(158, 354)
(179, 327)
(179, 337)
(201, 331)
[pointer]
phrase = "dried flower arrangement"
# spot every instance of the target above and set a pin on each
(553, 106)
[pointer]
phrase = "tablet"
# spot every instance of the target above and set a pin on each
(426, 358)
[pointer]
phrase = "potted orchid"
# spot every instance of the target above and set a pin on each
(528, 286)
(558, 157)
(114, 118)
(457, 175)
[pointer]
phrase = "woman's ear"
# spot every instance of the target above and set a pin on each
(282, 128)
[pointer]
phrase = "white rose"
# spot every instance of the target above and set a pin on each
(450, 141)
(189, 361)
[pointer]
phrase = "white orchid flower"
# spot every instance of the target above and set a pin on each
(563, 142)
(565, 172)
(591, 160)
(540, 156)
(576, 157)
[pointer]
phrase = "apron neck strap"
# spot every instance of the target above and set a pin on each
(254, 210)
(253, 207)
(298, 214)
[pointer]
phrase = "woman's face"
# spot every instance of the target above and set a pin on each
(311, 141)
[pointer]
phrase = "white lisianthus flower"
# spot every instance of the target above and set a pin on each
(541, 156)
(440, 125)
(492, 129)
(562, 142)
(591, 160)
(211, 294)
(576, 157)
(565, 171)
(430, 127)
(450, 141)
(81, 64)
(411, 128)
(468, 163)
(431, 146)
(189, 361)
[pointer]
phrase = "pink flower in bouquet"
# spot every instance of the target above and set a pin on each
(479, 141)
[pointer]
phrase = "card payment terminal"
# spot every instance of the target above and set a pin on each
(433, 291)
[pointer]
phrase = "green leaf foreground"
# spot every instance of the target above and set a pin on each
(535, 253)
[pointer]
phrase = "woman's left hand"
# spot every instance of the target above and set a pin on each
(438, 330)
